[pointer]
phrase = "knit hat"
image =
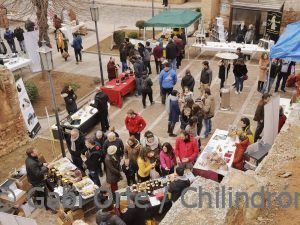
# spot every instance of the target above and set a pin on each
(111, 150)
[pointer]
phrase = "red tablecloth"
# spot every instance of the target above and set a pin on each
(206, 174)
(116, 93)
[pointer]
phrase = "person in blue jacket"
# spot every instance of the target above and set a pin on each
(10, 38)
(167, 80)
(77, 45)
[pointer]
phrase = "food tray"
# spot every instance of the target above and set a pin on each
(84, 183)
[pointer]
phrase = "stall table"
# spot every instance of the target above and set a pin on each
(116, 92)
(17, 63)
(249, 49)
(224, 146)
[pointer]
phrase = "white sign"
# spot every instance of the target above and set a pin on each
(31, 42)
(30, 119)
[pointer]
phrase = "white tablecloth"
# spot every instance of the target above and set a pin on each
(285, 103)
(20, 63)
(229, 47)
(219, 139)
(152, 43)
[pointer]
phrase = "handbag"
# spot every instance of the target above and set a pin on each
(245, 77)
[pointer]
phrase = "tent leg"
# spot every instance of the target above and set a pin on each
(144, 33)
(268, 77)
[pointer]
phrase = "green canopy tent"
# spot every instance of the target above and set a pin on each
(173, 18)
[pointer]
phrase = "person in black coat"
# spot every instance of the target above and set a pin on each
(36, 171)
(239, 71)
(18, 32)
(129, 169)
(147, 90)
(171, 54)
(123, 57)
(222, 70)
(108, 218)
(113, 140)
(76, 146)
(70, 99)
(240, 33)
(93, 156)
(136, 215)
(179, 184)
(100, 103)
(188, 81)
(100, 139)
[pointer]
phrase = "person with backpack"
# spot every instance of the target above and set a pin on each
(92, 162)
(147, 57)
(147, 90)
(100, 103)
(138, 67)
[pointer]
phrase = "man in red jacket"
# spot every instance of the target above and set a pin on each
(135, 124)
(186, 150)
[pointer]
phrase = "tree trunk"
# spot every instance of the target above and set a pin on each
(41, 13)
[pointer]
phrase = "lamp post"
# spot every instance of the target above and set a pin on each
(153, 31)
(95, 17)
(47, 65)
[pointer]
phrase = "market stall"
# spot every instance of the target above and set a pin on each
(217, 157)
(119, 87)
(249, 49)
(84, 120)
(15, 63)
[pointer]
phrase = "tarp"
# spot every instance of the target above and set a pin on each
(288, 44)
(174, 18)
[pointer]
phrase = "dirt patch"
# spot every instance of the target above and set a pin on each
(49, 149)
(105, 44)
(83, 83)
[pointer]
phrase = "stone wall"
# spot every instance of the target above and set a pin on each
(13, 133)
(285, 153)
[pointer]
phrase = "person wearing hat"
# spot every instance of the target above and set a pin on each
(188, 81)
(113, 170)
(167, 80)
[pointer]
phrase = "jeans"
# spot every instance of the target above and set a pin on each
(260, 86)
(12, 46)
(124, 66)
(148, 66)
(103, 116)
(167, 172)
(207, 124)
(283, 77)
(158, 66)
(239, 84)
(94, 175)
(144, 95)
(22, 46)
(173, 63)
(138, 83)
(269, 83)
(164, 93)
(77, 160)
(78, 53)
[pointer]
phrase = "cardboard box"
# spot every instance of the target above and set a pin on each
(76, 215)
(63, 218)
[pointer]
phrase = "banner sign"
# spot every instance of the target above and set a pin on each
(30, 119)
(273, 25)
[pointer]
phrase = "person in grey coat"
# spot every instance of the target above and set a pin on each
(113, 169)
(249, 37)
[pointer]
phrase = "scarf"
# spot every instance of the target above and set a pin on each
(153, 145)
(73, 144)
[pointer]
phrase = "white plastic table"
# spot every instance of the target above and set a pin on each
(18, 63)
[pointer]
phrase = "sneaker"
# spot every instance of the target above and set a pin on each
(152, 103)
(172, 135)
(144, 106)
(236, 92)
(202, 136)
(283, 90)
(240, 92)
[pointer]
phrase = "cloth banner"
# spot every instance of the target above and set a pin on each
(271, 120)
(31, 43)
(29, 116)
(273, 25)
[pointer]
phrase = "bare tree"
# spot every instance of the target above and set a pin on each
(25, 8)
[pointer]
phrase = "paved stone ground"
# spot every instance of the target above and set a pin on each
(113, 17)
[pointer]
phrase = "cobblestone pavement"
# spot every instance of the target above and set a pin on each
(113, 17)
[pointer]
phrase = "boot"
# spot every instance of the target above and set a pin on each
(169, 127)
(163, 99)
(171, 131)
